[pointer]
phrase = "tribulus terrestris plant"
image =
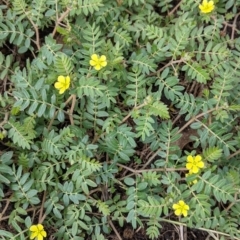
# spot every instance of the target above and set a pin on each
(119, 113)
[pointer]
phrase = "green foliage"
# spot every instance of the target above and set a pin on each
(5, 169)
(63, 64)
(153, 228)
(195, 71)
(22, 134)
(103, 207)
(86, 7)
(22, 187)
(217, 185)
(16, 34)
(112, 148)
(5, 65)
(152, 207)
(212, 154)
(19, 6)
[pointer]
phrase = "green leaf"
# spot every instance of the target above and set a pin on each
(103, 207)
(21, 134)
(87, 6)
(4, 179)
(159, 109)
(6, 157)
(196, 72)
(129, 181)
(90, 87)
(63, 64)
(142, 63)
(4, 233)
(212, 154)
(74, 228)
(50, 12)
(28, 222)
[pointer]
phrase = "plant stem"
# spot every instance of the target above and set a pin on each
(59, 20)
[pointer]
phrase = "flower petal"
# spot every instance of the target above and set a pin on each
(204, 2)
(39, 237)
(181, 203)
(44, 234)
(198, 158)
(68, 79)
(40, 227)
(195, 169)
(184, 212)
(186, 207)
(175, 206)
(200, 164)
(94, 57)
(189, 166)
(104, 64)
(211, 8)
(58, 85)
(178, 212)
(102, 58)
(210, 3)
(190, 158)
(33, 235)
(62, 90)
(33, 228)
(98, 67)
(92, 62)
(61, 79)
(67, 82)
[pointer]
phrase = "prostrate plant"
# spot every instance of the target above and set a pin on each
(116, 112)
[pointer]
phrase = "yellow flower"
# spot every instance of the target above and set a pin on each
(37, 232)
(189, 174)
(181, 208)
(98, 62)
(62, 84)
(194, 163)
(206, 6)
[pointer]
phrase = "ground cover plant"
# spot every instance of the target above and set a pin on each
(119, 113)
